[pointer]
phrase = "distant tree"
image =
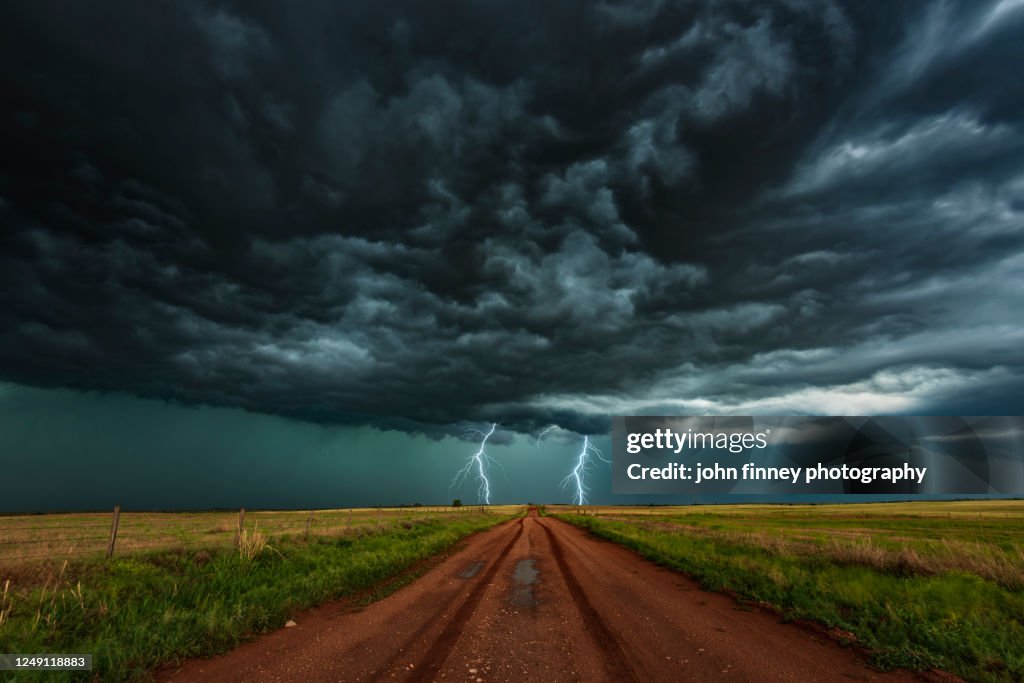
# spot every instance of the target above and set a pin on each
(457, 503)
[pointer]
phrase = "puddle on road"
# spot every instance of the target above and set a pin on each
(523, 579)
(471, 571)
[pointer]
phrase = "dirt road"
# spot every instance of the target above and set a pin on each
(537, 599)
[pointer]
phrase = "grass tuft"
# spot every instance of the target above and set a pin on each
(251, 544)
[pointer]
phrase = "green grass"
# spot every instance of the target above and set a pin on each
(929, 588)
(138, 612)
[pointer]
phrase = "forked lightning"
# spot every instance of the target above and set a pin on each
(480, 460)
(577, 477)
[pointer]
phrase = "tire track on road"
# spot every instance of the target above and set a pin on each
(439, 650)
(605, 640)
(407, 641)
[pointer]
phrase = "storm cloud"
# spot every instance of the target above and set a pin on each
(418, 216)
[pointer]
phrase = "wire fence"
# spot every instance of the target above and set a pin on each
(34, 538)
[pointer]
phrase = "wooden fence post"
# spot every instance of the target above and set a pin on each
(113, 531)
(349, 525)
(378, 516)
(309, 521)
(241, 526)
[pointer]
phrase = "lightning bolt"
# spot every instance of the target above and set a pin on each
(578, 475)
(479, 460)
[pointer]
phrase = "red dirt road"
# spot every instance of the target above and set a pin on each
(538, 599)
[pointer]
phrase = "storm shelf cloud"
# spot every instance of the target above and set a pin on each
(418, 217)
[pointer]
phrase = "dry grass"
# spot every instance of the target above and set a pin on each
(251, 544)
(1005, 567)
(6, 603)
(903, 539)
(953, 509)
(45, 539)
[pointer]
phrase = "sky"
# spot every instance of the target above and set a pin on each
(287, 253)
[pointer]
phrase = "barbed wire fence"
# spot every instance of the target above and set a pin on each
(60, 536)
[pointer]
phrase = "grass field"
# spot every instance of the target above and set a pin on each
(920, 585)
(178, 586)
(85, 535)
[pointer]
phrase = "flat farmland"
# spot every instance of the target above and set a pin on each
(985, 538)
(78, 536)
(919, 585)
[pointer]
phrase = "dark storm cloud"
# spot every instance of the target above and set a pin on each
(421, 218)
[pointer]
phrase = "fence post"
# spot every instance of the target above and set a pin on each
(309, 521)
(349, 525)
(113, 531)
(378, 516)
(241, 525)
